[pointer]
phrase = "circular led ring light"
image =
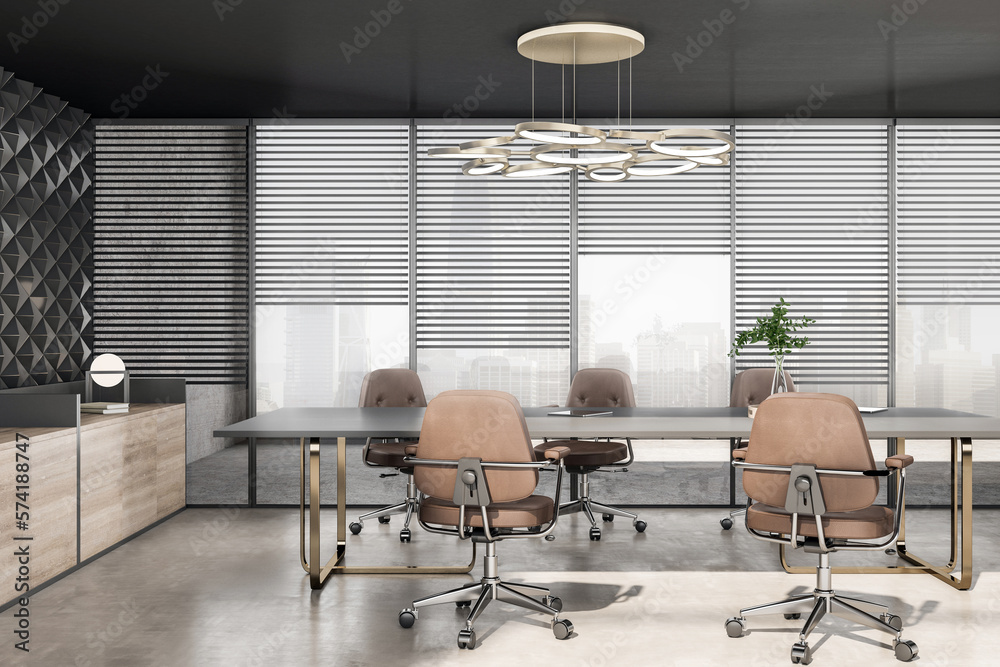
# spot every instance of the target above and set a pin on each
(711, 160)
(692, 151)
(492, 142)
(484, 166)
(607, 173)
(629, 134)
(535, 170)
(453, 152)
(548, 133)
(613, 153)
(646, 166)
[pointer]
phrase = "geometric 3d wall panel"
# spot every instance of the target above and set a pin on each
(46, 237)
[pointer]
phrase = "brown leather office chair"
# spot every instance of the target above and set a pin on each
(596, 388)
(476, 468)
(391, 388)
(810, 472)
(750, 387)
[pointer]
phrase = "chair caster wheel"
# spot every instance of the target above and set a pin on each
(801, 653)
(562, 629)
(356, 528)
(595, 534)
(735, 627)
(552, 601)
(895, 621)
(467, 639)
(726, 523)
(792, 617)
(550, 537)
(608, 518)
(404, 535)
(407, 618)
(640, 526)
(383, 519)
(906, 650)
(463, 604)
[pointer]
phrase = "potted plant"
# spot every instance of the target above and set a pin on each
(777, 330)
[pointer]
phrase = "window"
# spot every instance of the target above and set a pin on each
(812, 226)
(331, 217)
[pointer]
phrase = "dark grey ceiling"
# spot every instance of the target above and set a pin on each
(238, 58)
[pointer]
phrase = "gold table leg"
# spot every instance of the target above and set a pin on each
(961, 512)
(336, 565)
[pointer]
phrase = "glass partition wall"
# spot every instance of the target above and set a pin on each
(365, 253)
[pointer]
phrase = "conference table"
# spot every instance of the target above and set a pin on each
(896, 425)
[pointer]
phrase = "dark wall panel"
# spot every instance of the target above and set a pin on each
(46, 234)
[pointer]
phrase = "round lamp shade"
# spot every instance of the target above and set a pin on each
(107, 370)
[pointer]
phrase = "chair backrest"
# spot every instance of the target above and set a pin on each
(392, 388)
(600, 388)
(488, 425)
(822, 429)
(752, 386)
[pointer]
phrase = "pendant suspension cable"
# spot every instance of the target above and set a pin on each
(630, 87)
(574, 80)
(618, 95)
(533, 87)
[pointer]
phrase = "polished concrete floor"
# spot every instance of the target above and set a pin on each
(224, 587)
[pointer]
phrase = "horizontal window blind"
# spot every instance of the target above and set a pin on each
(331, 214)
(170, 249)
(493, 257)
(948, 214)
(812, 227)
(679, 214)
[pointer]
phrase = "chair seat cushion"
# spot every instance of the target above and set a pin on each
(388, 454)
(866, 524)
(524, 513)
(586, 453)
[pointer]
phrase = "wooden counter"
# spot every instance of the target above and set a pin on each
(131, 474)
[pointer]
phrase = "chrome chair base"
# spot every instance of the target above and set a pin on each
(409, 507)
(481, 594)
(590, 508)
(727, 522)
(822, 601)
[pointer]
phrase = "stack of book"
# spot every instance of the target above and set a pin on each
(104, 408)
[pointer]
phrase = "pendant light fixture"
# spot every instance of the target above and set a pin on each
(543, 148)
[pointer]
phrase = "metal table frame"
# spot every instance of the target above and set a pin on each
(895, 424)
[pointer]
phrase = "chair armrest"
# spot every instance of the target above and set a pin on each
(898, 461)
(410, 450)
(557, 453)
(740, 453)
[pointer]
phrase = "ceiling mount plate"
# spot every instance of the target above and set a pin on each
(582, 43)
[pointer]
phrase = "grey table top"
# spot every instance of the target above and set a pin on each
(649, 423)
